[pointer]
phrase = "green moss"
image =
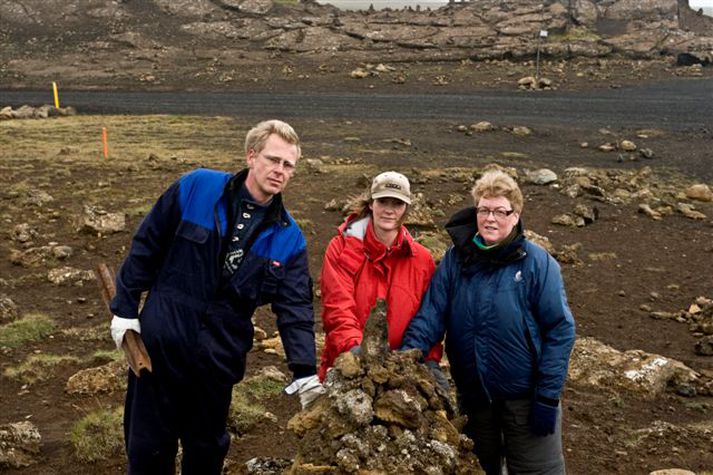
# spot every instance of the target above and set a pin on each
(245, 408)
(98, 435)
(37, 368)
(244, 414)
(262, 387)
(31, 327)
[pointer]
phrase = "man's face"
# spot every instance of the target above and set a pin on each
(271, 168)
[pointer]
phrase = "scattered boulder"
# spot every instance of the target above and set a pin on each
(521, 131)
(267, 466)
(689, 211)
(8, 309)
(23, 233)
(542, 241)
(543, 176)
(36, 256)
(482, 126)
(704, 346)
(642, 374)
(98, 221)
(699, 192)
(531, 83)
(19, 444)
(420, 214)
(646, 153)
(41, 112)
(70, 276)
(103, 379)
(627, 146)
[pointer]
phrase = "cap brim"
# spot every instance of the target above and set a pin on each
(389, 194)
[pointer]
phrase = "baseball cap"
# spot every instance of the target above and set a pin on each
(391, 185)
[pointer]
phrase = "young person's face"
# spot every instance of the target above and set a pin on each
(387, 213)
(271, 168)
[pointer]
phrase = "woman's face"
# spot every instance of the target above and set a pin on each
(496, 219)
(387, 213)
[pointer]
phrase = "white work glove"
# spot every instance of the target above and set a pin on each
(308, 388)
(120, 325)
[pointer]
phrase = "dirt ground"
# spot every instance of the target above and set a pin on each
(653, 266)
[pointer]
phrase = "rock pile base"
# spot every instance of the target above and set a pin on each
(382, 413)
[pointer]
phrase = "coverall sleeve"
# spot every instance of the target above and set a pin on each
(557, 330)
(339, 314)
(148, 251)
(295, 312)
(428, 326)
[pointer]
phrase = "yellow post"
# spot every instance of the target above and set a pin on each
(104, 143)
(56, 96)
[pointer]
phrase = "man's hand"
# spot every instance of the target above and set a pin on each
(308, 389)
(543, 416)
(438, 375)
(120, 325)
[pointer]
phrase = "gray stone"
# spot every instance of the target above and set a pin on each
(19, 444)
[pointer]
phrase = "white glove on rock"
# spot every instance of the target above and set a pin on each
(120, 325)
(308, 388)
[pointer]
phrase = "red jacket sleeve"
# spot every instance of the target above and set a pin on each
(339, 319)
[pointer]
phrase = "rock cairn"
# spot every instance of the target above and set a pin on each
(382, 413)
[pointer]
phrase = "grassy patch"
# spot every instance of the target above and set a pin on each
(245, 410)
(31, 327)
(306, 225)
(262, 387)
(204, 139)
(107, 356)
(244, 414)
(37, 368)
(99, 435)
(602, 256)
(139, 211)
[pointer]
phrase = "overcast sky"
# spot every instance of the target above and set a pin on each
(700, 3)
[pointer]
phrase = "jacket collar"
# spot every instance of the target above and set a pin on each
(363, 230)
(275, 211)
(462, 228)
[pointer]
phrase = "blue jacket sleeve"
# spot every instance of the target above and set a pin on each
(557, 330)
(295, 313)
(428, 326)
(148, 251)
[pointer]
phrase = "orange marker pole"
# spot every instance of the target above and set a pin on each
(104, 143)
(56, 95)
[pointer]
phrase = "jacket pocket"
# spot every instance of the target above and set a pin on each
(274, 275)
(192, 232)
(187, 255)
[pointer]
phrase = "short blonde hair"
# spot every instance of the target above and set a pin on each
(496, 183)
(258, 135)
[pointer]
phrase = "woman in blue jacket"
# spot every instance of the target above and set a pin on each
(500, 302)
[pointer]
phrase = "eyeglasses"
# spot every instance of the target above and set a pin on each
(275, 162)
(498, 213)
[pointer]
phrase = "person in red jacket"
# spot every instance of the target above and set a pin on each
(372, 257)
